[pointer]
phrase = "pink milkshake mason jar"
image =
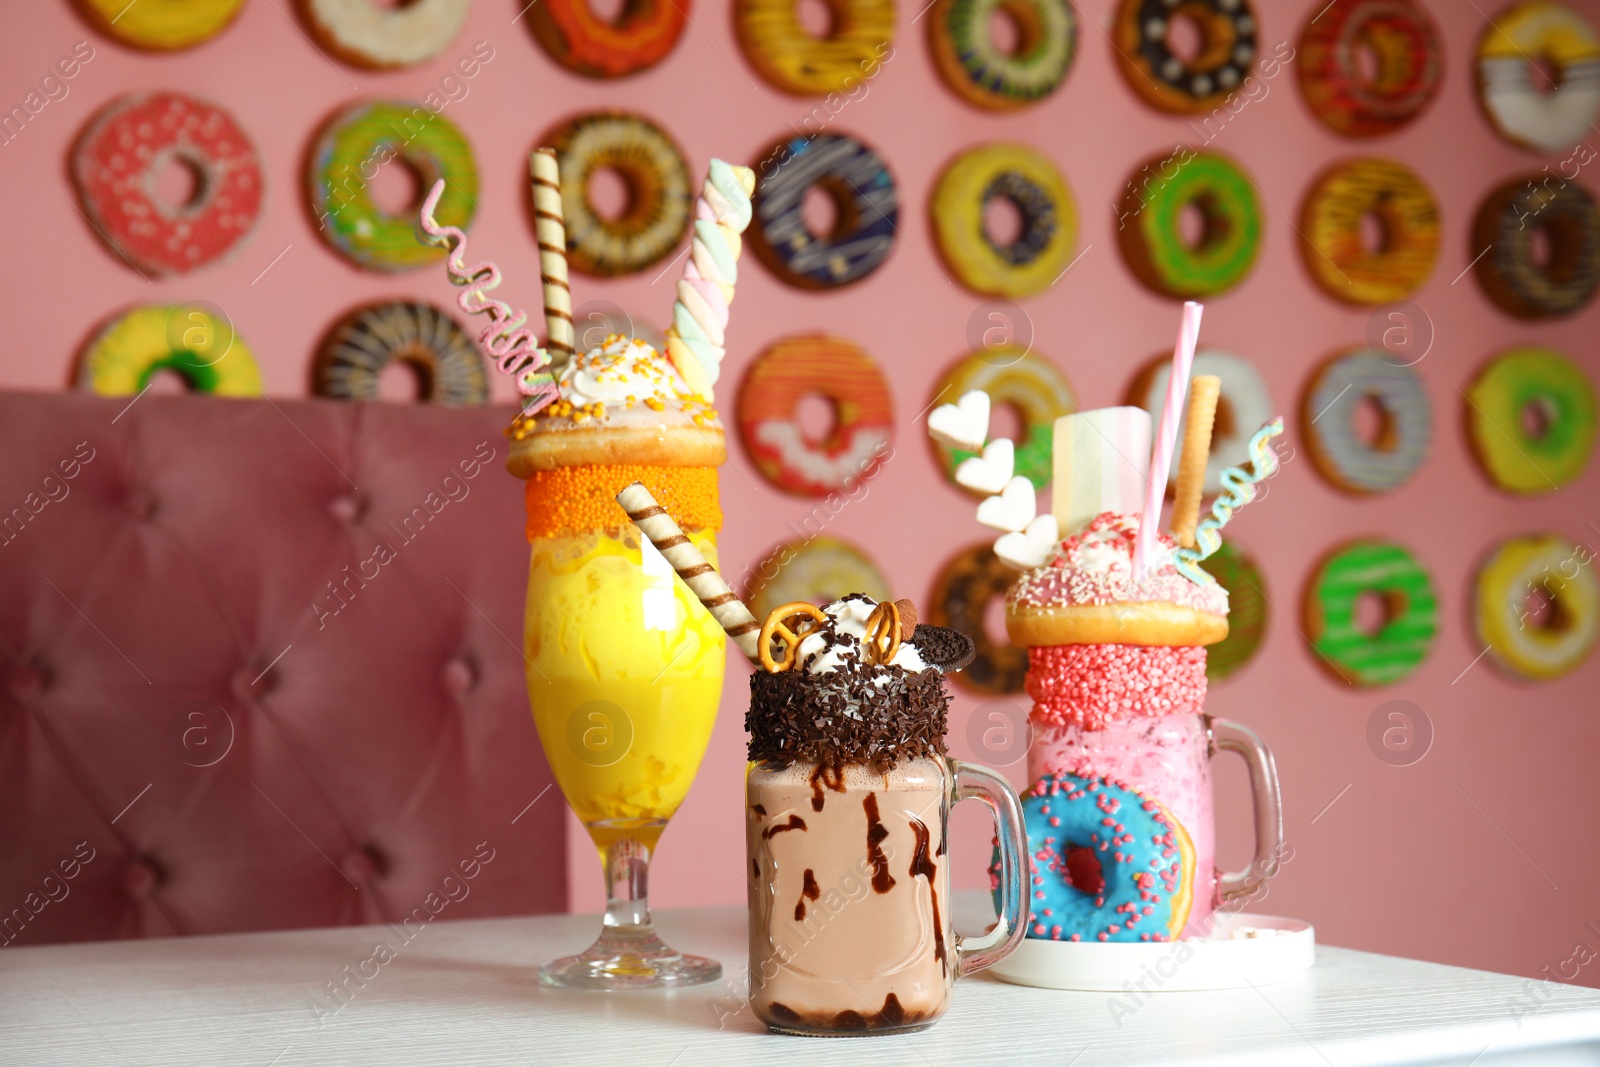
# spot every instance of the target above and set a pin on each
(1122, 832)
(847, 809)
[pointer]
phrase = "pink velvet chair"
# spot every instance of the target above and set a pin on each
(260, 667)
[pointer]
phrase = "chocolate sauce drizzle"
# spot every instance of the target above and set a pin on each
(826, 774)
(882, 880)
(922, 865)
(809, 891)
(889, 1017)
(795, 823)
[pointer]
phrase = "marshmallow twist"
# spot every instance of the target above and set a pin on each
(506, 338)
(696, 338)
(1238, 489)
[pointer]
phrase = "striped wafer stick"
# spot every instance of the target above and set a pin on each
(701, 577)
(1203, 393)
(551, 233)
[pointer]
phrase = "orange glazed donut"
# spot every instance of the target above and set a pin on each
(586, 44)
(847, 378)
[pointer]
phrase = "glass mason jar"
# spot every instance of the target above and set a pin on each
(1168, 759)
(850, 925)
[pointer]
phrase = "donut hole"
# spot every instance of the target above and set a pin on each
(397, 188)
(1557, 246)
(1537, 417)
(177, 183)
(169, 381)
(994, 622)
(609, 11)
(1545, 73)
(818, 418)
(1225, 424)
(1006, 420)
(1002, 221)
(827, 208)
(1199, 37)
(1375, 609)
(1377, 232)
(610, 193)
(1084, 870)
(1015, 28)
(818, 18)
(1382, 59)
(1375, 424)
(1367, 67)
(1545, 612)
(406, 378)
(1201, 223)
(1186, 35)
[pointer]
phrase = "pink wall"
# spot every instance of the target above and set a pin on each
(1402, 862)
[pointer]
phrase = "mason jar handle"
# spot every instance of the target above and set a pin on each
(980, 783)
(1229, 736)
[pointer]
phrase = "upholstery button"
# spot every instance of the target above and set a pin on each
(359, 865)
(459, 677)
(140, 879)
(25, 682)
(141, 504)
(347, 509)
(246, 688)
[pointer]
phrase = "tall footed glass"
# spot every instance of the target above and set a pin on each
(624, 674)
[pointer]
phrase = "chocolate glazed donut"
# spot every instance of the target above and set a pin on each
(961, 596)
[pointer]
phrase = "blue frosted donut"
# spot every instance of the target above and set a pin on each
(1146, 862)
(866, 202)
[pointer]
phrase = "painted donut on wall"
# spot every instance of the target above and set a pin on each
(447, 364)
(1150, 230)
(862, 433)
(1531, 420)
(161, 27)
(972, 63)
(1351, 652)
(789, 56)
(1520, 574)
(1044, 245)
(643, 35)
(125, 146)
(1525, 105)
(1403, 41)
(660, 192)
(1166, 80)
(1339, 451)
(1335, 249)
(1508, 266)
(381, 36)
(866, 208)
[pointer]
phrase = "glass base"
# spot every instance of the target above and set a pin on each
(629, 957)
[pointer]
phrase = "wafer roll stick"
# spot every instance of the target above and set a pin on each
(551, 233)
(1203, 393)
(700, 576)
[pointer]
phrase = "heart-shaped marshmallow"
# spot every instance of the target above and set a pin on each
(1030, 548)
(1013, 509)
(964, 424)
(989, 472)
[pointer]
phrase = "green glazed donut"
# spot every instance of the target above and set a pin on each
(1411, 613)
(1149, 224)
(1247, 615)
(1558, 392)
(346, 158)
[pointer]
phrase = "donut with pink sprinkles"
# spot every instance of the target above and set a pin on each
(1106, 864)
(125, 148)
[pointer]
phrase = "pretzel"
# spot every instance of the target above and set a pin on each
(776, 626)
(882, 639)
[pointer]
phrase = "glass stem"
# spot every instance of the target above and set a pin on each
(627, 886)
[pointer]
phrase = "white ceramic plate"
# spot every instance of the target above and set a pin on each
(1279, 950)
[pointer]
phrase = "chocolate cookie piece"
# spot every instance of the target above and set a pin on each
(944, 648)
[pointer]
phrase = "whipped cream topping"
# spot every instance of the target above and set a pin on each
(623, 382)
(839, 641)
(1095, 566)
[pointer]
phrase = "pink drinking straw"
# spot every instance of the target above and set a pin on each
(1166, 436)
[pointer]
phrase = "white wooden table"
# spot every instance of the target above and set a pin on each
(464, 993)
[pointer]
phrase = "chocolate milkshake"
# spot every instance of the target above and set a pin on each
(848, 798)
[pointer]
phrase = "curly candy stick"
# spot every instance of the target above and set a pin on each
(1238, 489)
(700, 312)
(513, 347)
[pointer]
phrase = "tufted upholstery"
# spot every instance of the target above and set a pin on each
(257, 716)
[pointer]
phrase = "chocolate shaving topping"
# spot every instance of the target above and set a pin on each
(939, 646)
(846, 717)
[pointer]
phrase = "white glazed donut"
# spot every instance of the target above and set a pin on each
(1520, 109)
(367, 34)
(1242, 409)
